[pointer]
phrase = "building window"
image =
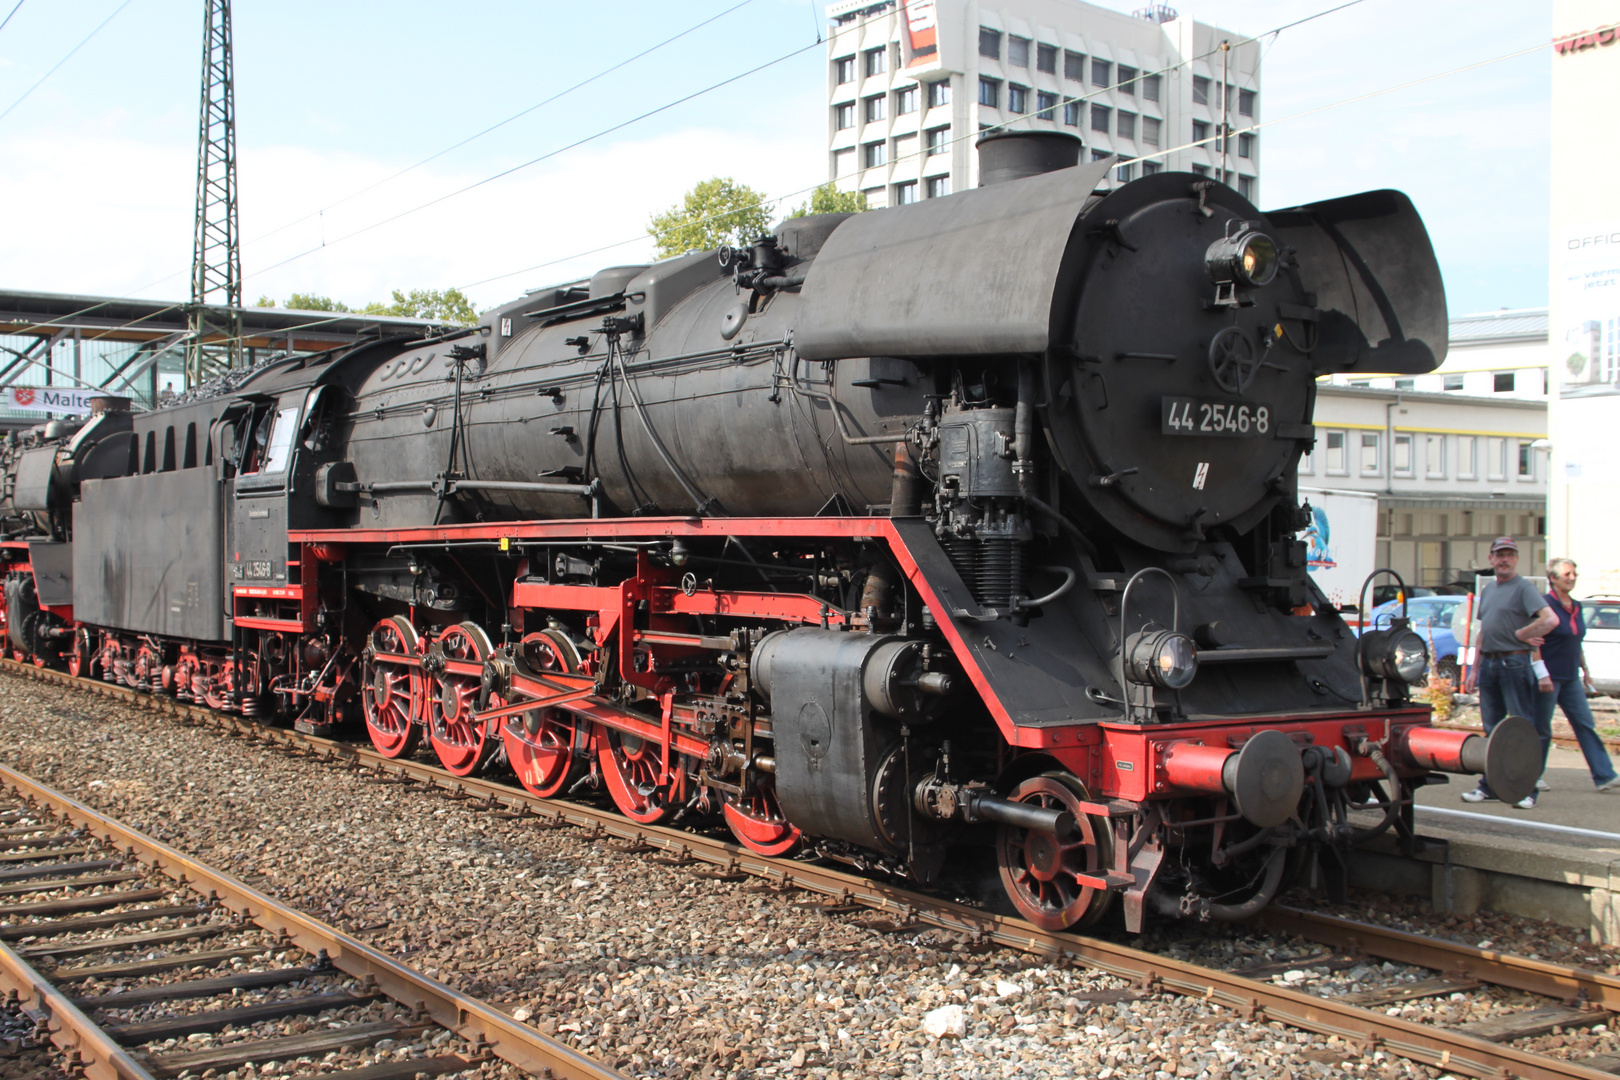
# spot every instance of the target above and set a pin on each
(1046, 59)
(1406, 384)
(1150, 130)
(1201, 170)
(1496, 458)
(843, 162)
(1046, 105)
(1017, 98)
(990, 93)
(876, 154)
(905, 101)
(1467, 466)
(1200, 131)
(1245, 102)
(1150, 87)
(1071, 113)
(1403, 455)
(1101, 70)
(938, 186)
(844, 115)
(1200, 90)
(1099, 118)
(1527, 460)
(1503, 382)
(1125, 173)
(877, 61)
(1245, 146)
(1434, 456)
(1127, 79)
(1098, 155)
(939, 93)
(1307, 459)
(934, 142)
(1151, 167)
(875, 109)
(906, 193)
(874, 198)
(1451, 382)
(990, 43)
(1338, 463)
(1018, 52)
(1370, 465)
(1127, 125)
(1074, 66)
(845, 69)
(1246, 186)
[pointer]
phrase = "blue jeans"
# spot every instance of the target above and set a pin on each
(1507, 687)
(1570, 696)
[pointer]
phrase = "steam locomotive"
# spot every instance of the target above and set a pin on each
(965, 525)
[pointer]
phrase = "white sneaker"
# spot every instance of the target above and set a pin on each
(1611, 786)
(1527, 803)
(1542, 785)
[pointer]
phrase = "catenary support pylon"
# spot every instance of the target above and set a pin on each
(216, 266)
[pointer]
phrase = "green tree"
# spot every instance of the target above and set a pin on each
(717, 211)
(310, 302)
(827, 199)
(265, 301)
(437, 305)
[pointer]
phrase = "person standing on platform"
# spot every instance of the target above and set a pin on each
(1513, 621)
(1571, 678)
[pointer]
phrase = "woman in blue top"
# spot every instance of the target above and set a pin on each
(1566, 666)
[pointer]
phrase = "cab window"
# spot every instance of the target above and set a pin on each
(279, 447)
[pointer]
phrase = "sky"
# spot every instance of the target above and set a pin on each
(335, 100)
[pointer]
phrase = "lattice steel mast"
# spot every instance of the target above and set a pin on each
(216, 266)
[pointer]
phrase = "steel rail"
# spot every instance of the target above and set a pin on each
(484, 1026)
(1560, 981)
(1252, 999)
(88, 1048)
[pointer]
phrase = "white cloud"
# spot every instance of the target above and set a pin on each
(131, 225)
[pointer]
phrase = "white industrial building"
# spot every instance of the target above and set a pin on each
(911, 83)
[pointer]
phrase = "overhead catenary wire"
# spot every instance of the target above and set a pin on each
(502, 123)
(543, 157)
(64, 59)
(9, 14)
(975, 134)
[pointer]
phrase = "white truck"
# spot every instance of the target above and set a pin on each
(1341, 542)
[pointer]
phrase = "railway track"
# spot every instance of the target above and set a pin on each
(1578, 996)
(88, 891)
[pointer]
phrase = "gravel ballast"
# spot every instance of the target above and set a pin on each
(651, 969)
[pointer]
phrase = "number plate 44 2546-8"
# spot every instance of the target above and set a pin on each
(1237, 419)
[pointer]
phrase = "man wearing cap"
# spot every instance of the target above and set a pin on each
(1513, 619)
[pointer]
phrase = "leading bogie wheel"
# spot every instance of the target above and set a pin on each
(391, 689)
(547, 748)
(757, 821)
(463, 744)
(1039, 871)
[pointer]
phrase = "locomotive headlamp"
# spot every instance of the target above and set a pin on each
(1396, 653)
(1163, 658)
(1248, 259)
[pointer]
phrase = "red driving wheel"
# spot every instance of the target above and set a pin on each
(631, 766)
(546, 747)
(462, 744)
(391, 690)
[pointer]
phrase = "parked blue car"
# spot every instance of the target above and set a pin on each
(1432, 621)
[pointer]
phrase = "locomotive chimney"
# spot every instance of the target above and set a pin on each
(1013, 155)
(108, 404)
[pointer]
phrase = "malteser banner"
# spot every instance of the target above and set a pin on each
(51, 399)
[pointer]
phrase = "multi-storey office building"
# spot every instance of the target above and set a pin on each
(911, 83)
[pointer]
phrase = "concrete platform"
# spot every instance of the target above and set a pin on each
(1560, 861)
